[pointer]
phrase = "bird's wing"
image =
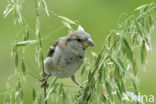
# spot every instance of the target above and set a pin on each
(52, 48)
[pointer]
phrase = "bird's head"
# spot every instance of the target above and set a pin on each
(80, 39)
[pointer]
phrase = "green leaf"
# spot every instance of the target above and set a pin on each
(16, 59)
(129, 50)
(109, 91)
(142, 7)
(94, 54)
(67, 22)
(33, 95)
(69, 97)
(68, 25)
(23, 66)
(38, 98)
(63, 95)
(101, 75)
(19, 93)
(18, 11)
(98, 59)
(51, 88)
(139, 28)
(83, 69)
(50, 91)
(24, 43)
(143, 51)
(60, 89)
(52, 82)
(26, 35)
(121, 63)
(136, 88)
(150, 20)
(8, 10)
(37, 26)
(134, 68)
(45, 7)
(119, 95)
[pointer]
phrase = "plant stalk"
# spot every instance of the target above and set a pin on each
(45, 88)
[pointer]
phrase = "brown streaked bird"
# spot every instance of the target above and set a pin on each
(67, 54)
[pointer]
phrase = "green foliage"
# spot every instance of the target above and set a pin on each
(67, 22)
(15, 7)
(115, 67)
(110, 73)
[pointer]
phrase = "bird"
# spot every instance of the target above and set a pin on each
(66, 55)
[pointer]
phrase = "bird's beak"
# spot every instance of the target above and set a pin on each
(88, 42)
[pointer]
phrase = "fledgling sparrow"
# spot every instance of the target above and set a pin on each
(67, 54)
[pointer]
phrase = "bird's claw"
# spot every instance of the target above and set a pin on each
(44, 80)
(44, 83)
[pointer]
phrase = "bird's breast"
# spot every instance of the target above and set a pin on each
(69, 64)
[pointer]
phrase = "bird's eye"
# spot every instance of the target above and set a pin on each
(79, 40)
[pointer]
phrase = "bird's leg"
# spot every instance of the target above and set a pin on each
(75, 81)
(42, 75)
(45, 80)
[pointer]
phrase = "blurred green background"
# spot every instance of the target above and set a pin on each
(98, 17)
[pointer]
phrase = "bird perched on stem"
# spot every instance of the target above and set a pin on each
(66, 55)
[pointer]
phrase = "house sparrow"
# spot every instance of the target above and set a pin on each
(67, 54)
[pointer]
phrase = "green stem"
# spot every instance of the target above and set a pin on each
(40, 43)
(45, 88)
